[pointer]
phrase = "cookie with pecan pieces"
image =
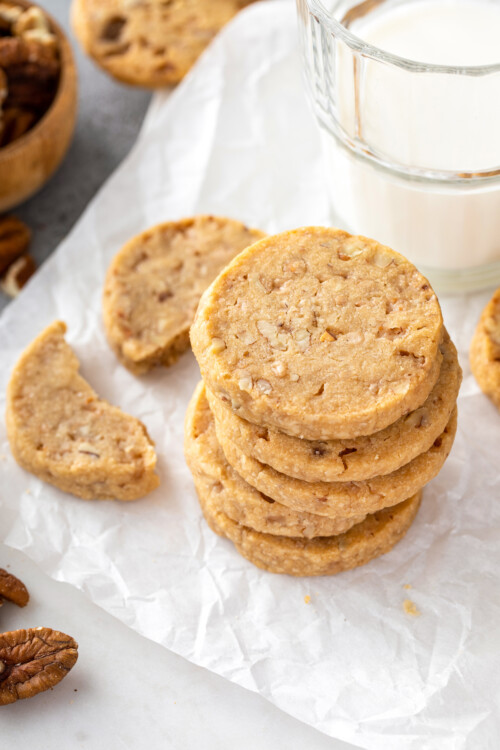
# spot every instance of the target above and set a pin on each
(149, 43)
(321, 556)
(319, 334)
(61, 431)
(216, 481)
(485, 350)
(155, 282)
(349, 460)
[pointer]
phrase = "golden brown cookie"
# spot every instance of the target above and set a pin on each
(152, 42)
(155, 282)
(319, 334)
(61, 431)
(349, 460)
(344, 498)
(229, 493)
(485, 350)
(321, 556)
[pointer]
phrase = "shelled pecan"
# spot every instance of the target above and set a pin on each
(29, 69)
(15, 238)
(12, 589)
(32, 661)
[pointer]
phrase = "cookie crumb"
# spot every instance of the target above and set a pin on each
(307, 599)
(411, 608)
(407, 586)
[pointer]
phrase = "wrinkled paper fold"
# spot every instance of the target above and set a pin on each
(237, 138)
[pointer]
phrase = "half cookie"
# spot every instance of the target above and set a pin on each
(61, 431)
(155, 282)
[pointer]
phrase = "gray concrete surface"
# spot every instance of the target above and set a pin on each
(109, 119)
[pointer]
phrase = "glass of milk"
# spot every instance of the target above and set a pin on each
(407, 93)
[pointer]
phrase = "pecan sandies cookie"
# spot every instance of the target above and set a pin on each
(228, 492)
(355, 459)
(149, 43)
(155, 282)
(321, 556)
(485, 350)
(320, 334)
(61, 431)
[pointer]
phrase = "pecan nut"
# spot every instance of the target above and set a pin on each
(13, 589)
(15, 238)
(17, 275)
(29, 20)
(32, 661)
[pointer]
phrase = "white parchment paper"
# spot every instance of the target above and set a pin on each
(237, 138)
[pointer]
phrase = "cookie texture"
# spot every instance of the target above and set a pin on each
(485, 350)
(61, 431)
(149, 43)
(344, 498)
(349, 460)
(319, 334)
(155, 282)
(227, 492)
(321, 556)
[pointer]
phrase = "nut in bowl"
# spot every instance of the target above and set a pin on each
(38, 95)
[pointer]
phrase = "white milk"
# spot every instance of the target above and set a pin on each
(430, 121)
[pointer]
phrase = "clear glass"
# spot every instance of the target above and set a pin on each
(412, 149)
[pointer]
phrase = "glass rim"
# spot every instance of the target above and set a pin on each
(327, 20)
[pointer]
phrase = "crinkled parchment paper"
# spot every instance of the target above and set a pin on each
(237, 138)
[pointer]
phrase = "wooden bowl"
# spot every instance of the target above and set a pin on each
(27, 163)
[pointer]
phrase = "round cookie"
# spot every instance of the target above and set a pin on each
(349, 460)
(154, 284)
(321, 556)
(229, 493)
(149, 43)
(485, 350)
(61, 431)
(319, 334)
(344, 498)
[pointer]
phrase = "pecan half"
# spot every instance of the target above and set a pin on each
(14, 240)
(17, 275)
(13, 589)
(32, 661)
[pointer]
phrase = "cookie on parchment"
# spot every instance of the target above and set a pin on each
(154, 284)
(349, 460)
(321, 556)
(343, 498)
(485, 350)
(319, 334)
(61, 431)
(227, 492)
(149, 43)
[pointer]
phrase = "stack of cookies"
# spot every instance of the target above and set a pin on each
(327, 403)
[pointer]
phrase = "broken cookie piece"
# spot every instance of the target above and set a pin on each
(61, 431)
